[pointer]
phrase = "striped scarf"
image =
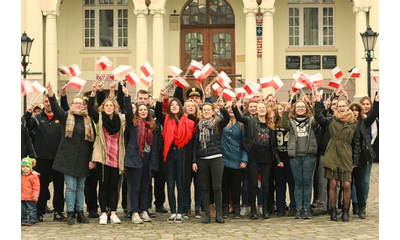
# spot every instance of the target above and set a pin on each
(206, 127)
(145, 135)
(70, 124)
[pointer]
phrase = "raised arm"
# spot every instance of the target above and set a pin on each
(239, 117)
(55, 108)
(93, 113)
(373, 114)
(129, 114)
(120, 96)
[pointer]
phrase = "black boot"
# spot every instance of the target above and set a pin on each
(219, 218)
(361, 211)
(254, 214)
(333, 214)
(225, 210)
(355, 208)
(236, 211)
(80, 218)
(70, 218)
(345, 215)
(206, 208)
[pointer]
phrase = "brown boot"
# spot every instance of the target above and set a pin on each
(212, 210)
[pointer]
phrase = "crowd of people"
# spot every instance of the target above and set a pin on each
(102, 150)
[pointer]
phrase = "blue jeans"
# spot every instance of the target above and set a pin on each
(303, 172)
(174, 176)
(197, 194)
(74, 193)
(28, 208)
(140, 182)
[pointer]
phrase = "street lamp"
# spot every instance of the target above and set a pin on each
(369, 38)
(26, 44)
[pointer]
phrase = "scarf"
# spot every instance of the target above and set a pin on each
(70, 124)
(145, 135)
(111, 125)
(346, 117)
(179, 134)
(206, 127)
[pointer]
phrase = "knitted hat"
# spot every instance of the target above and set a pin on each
(27, 161)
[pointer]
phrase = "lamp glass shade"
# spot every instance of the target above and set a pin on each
(26, 44)
(369, 38)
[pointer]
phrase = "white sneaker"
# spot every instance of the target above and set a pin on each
(103, 219)
(136, 219)
(114, 219)
(145, 217)
(171, 219)
(243, 211)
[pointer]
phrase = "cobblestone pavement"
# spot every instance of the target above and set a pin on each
(274, 228)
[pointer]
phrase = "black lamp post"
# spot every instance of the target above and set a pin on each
(369, 38)
(26, 44)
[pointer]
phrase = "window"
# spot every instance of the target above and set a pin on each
(105, 23)
(311, 23)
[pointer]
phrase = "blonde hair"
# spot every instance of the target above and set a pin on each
(198, 112)
(116, 105)
(268, 117)
(293, 114)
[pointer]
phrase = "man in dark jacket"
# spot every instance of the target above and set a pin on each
(48, 137)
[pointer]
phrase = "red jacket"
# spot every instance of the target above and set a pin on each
(30, 186)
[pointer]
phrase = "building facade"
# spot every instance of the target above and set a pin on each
(247, 39)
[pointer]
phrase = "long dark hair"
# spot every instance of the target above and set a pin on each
(148, 118)
(180, 113)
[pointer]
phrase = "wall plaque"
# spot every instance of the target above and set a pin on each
(329, 62)
(311, 62)
(292, 62)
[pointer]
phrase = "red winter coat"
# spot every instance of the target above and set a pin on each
(30, 186)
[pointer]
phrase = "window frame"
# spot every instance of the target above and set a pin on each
(115, 7)
(320, 6)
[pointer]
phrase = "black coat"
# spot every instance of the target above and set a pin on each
(26, 142)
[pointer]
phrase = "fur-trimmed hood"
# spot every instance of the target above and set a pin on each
(362, 112)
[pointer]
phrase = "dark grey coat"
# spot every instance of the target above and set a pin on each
(73, 154)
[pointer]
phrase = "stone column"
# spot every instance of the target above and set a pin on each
(268, 59)
(361, 84)
(158, 51)
(51, 68)
(250, 44)
(141, 42)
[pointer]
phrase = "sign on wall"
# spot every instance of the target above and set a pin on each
(259, 22)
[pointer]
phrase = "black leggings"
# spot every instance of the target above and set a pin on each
(108, 187)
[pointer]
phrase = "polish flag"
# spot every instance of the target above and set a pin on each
(173, 71)
(335, 82)
(223, 80)
(76, 82)
(132, 78)
(195, 65)
(147, 69)
(274, 82)
(355, 73)
(337, 72)
(121, 71)
(199, 76)
(146, 80)
(251, 87)
(297, 86)
(26, 87)
(373, 76)
(181, 82)
(217, 88)
(37, 88)
(103, 64)
(65, 70)
(303, 78)
(228, 94)
(207, 70)
(74, 70)
(317, 80)
(240, 92)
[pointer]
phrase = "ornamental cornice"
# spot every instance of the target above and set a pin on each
(51, 13)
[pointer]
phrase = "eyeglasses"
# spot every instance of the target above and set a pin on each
(77, 103)
(342, 106)
(300, 107)
(334, 104)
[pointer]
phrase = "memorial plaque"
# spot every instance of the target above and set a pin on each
(311, 62)
(329, 62)
(292, 62)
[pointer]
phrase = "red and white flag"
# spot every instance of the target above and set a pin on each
(37, 88)
(304, 78)
(251, 87)
(223, 80)
(317, 80)
(74, 70)
(297, 86)
(121, 71)
(181, 82)
(335, 82)
(146, 80)
(132, 78)
(195, 65)
(103, 64)
(76, 82)
(199, 76)
(26, 87)
(146, 69)
(228, 94)
(337, 72)
(65, 70)
(173, 71)
(240, 92)
(355, 73)
(373, 76)
(274, 82)
(217, 88)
